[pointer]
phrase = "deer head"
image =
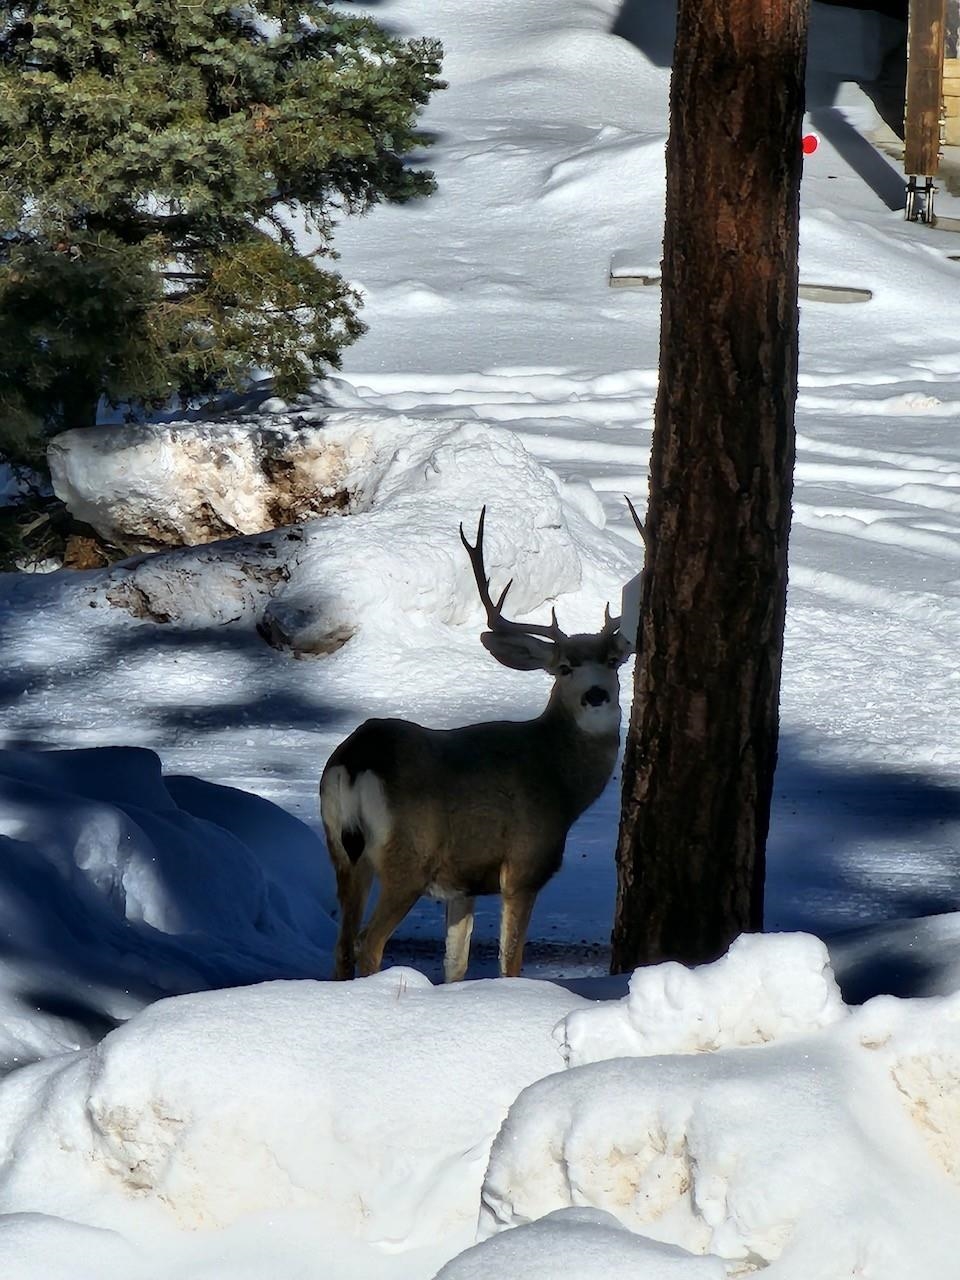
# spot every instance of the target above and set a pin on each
(585, 668)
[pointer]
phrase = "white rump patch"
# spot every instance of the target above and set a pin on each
(346, 805)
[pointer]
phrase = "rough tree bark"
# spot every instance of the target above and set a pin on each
(702, 744)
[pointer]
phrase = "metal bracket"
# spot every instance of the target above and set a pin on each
(919, 205)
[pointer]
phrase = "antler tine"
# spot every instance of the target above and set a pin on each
(641, 529)
(610, 625)
(495, 619)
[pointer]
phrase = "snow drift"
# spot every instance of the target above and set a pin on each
(369, 1106)
(747, 1125)
(119, 885)
(368, 1122)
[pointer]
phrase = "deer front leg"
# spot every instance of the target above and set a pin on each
(459, 931)
(514, 918)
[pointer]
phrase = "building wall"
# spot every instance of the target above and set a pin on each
(951, 76)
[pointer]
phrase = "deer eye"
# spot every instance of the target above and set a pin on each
(565, 669)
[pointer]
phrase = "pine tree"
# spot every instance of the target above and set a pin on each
(155, 160)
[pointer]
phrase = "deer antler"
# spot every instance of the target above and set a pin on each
(495, 619)
(641, 528)
(610, 625)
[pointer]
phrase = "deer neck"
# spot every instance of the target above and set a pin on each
(583, 757)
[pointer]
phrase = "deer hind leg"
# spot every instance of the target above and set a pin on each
(459, 930)
(353, 888)
(355, 820)
(401, 884)
(515, 910)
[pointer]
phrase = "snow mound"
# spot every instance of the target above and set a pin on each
(767, 1156)
(601, 1245)
(118, 885)
(836, 1137)
(398, 556)
(918, 1044)
(765, 987)
(36, 1244)
(371, 1105)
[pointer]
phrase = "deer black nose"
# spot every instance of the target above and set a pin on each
(595, 697)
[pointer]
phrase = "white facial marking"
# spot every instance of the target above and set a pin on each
(583, 690)
(604, 719)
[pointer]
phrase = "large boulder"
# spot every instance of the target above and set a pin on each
(395, 560)
(144, 487)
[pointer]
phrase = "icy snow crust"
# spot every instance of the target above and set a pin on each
(736, 1119)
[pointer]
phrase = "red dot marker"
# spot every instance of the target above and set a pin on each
(810, 143)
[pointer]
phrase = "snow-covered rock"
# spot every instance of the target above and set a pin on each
(182, 483)
(397, 558)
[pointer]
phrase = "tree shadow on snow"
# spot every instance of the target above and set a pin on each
(267, 691)
(69, 954)
(861, 856)
(73, 951)
(650, 25)
(835, 830)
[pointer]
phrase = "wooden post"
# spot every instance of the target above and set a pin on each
(925, 50)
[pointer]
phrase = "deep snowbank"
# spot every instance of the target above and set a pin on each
(344, 1130)
(759, 1122)
(118, 885)
(367, 1108)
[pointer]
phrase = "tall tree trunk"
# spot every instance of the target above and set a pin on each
(702, 745)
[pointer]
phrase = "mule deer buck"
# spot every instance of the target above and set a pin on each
(485, 809)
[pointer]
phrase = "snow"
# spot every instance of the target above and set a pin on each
(398, 560)
(598, 1242)
(139, 1135)
(770, 1156)
(762, 989)
(184, 1093)
(119, 885)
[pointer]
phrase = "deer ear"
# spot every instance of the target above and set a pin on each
(620, 647)
(522, 653)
